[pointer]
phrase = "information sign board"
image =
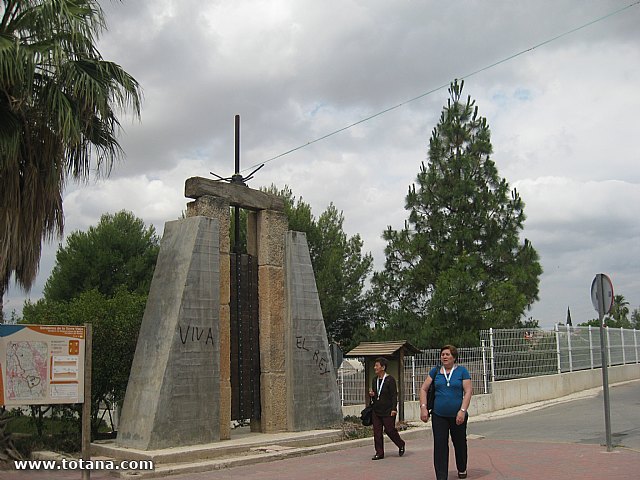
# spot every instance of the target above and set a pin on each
(41, 364)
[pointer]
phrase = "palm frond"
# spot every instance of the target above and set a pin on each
(58, 104)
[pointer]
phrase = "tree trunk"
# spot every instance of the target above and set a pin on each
(1, 303)
(37, 415)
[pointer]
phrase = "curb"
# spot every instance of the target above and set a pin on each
(271, 453)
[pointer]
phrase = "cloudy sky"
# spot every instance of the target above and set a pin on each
(563, 116)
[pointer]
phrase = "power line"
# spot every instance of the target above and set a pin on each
(433, 90)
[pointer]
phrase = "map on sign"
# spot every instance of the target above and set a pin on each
(41, 364)
(27, 366)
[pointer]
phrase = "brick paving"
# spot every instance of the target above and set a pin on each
(565, 448)
(488, 460)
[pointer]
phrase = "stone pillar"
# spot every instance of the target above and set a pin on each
(218, 208)
(313, 398)
(172, 397)
(271, 229)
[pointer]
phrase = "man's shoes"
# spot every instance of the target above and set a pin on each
(377, 457)
(401, 451)
(462, 474)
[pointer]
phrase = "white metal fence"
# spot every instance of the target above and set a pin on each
(510, 353)
(521, 353)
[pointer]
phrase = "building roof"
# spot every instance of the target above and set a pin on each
(369, 349)
(352, 364)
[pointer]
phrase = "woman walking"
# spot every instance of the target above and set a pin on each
(384, 396)
(449, 417)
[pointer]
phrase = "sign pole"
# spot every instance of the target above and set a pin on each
(602, 309)
(86, 405)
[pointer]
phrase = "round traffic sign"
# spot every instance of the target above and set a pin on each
(602, 282)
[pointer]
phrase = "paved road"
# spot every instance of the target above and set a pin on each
(579, 421)
(556, 442)
(561, 442)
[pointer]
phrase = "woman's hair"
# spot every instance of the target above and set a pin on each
(382, 361)
(452, 349)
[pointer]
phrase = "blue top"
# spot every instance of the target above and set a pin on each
(449, 399)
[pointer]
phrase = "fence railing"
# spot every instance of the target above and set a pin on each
(509, 353)
(517, 353)
(351, 381)
(581, 347)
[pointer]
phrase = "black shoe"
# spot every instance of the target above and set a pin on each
(377, 457)
(462, 474)
(401, 451)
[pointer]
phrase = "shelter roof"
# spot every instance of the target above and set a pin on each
(368, 349)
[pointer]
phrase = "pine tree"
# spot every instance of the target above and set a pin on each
(458, 265)
(119, 252)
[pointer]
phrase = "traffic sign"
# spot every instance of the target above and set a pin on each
(604, 282)
(602, 299)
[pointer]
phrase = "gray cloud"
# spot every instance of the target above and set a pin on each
(563, 116)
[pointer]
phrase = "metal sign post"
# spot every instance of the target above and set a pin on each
(602, 299)
(86, 406)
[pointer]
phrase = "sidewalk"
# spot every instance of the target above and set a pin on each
(488, 460)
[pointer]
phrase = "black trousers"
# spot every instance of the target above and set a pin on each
(442, 427)
(390, 429)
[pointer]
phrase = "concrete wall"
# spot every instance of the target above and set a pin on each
(173, 395)
(313, 399)
(524, 391)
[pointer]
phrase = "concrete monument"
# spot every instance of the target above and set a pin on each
(181, 385)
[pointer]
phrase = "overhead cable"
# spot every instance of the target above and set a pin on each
(422, 95)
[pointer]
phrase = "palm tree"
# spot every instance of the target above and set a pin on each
(620, 311)
(58, 103)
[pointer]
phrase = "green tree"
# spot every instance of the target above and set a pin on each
(341, 270)
(58, 105)
(458, 265)
(243, 230)
(102, 276)
(339, 265)
(116, 322)
(618, 316)
(119, 251)
(620, 311)
(635, 318)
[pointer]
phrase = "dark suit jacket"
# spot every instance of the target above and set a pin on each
(388, 400)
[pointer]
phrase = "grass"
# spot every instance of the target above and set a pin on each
(23, 425)
(352, 428)
(59, 434)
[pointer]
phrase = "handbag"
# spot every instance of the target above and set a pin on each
(431, 394)
(366, 415)
(431, 397)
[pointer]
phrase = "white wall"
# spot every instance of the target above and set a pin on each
(523, 391)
